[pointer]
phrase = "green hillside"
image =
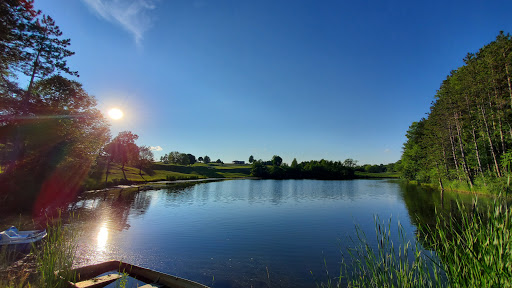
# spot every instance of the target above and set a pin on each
(162, 172)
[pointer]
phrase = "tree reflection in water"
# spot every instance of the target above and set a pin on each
(423, 203)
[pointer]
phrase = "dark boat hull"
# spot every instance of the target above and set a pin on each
(85, 274)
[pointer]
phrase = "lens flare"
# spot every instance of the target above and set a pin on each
(115, 113)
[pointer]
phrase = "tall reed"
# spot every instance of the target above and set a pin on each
(56, 255)
(475, 248)
(389, 265)
(470, 249)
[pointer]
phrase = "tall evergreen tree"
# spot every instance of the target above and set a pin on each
(468, 129)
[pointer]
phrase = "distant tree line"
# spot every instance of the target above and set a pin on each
(185, 159)
(467, 135)
(380, 168)
(323, 169)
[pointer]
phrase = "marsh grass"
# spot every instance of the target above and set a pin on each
(56, 254)
(475, 248)
(386, 264)
(470, 249)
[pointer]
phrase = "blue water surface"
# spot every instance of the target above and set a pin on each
(241, 233)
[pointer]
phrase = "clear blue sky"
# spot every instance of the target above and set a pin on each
(304, 79)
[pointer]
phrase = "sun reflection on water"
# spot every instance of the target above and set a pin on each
(102, 238)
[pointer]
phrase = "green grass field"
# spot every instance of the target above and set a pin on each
(164, 172)
(211, 170)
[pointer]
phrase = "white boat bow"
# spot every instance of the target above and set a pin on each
(13, 236)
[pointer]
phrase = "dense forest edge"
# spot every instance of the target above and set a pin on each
(464, 142)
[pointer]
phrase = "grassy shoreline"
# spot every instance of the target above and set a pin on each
(475, 191)
(469, 248)
(172, 172)
(165, 172)
(368, 175)
(461, 240)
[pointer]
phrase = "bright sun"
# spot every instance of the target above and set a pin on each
(115, 113)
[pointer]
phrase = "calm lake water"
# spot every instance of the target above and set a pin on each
(243, 233)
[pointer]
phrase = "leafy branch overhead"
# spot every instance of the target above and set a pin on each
(51, 132)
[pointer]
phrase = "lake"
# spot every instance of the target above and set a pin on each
(243, 233)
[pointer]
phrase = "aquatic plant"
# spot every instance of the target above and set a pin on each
(56, 254)
(469, 249)
(475, 250)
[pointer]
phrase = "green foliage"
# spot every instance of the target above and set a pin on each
(51, 132)
(277, 172)
(206, 160)
(122, 150)
(377, 174)
(259, 169)
(57, 254)
(294, 163)
(276, 160)
(466, 134)
(350, 163)
(30, 43)
(16, 17)
(251, 159)
(470, 249)
(389, 265)
(57, 135)
(180, 158)
(123, 281)
(323, 169)
(145, 160)
(191, 159)
(413, 156)
(475, 248)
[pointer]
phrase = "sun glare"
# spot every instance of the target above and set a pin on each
(115, 113)
(102, 238)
